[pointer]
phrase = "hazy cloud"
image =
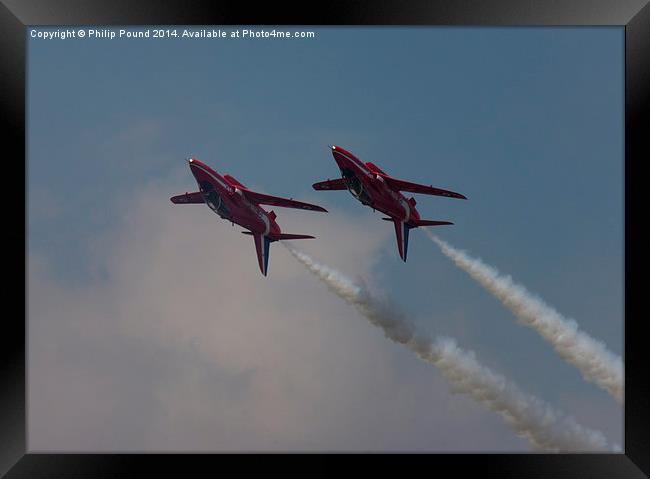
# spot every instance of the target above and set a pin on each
(179, 343)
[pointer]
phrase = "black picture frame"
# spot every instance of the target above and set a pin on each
(16, 15)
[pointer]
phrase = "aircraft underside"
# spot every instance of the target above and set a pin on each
(373, 187)
(232, 201)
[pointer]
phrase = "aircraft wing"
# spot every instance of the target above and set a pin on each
(188, 198)
(402, 185)
(331, 185)
(263, 199)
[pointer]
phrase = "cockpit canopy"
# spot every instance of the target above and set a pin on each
(355, 185)
(213, 200)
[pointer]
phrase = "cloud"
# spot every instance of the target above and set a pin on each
(179, 344)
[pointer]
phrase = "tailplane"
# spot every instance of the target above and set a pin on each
(417, 223)
(289, 236)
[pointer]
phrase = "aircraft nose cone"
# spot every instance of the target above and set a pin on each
(193, 163)
(340, 160)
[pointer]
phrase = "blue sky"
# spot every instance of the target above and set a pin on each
(526, 122)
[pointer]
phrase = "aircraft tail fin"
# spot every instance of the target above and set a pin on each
(402, 234)
(262, 247)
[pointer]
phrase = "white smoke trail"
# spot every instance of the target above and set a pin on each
(530, 417)
(592, 358)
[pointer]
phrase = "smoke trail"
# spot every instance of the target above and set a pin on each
(543, 427)
(592, 358)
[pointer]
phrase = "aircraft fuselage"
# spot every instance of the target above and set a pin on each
(229, 202)
(369, 187)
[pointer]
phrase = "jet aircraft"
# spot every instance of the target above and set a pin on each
(232, 201)
(373, 187)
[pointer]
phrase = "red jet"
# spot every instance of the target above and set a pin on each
(376, 189)
(231, 200)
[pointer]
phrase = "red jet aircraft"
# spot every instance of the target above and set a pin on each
(232, 201)
(374, 188)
